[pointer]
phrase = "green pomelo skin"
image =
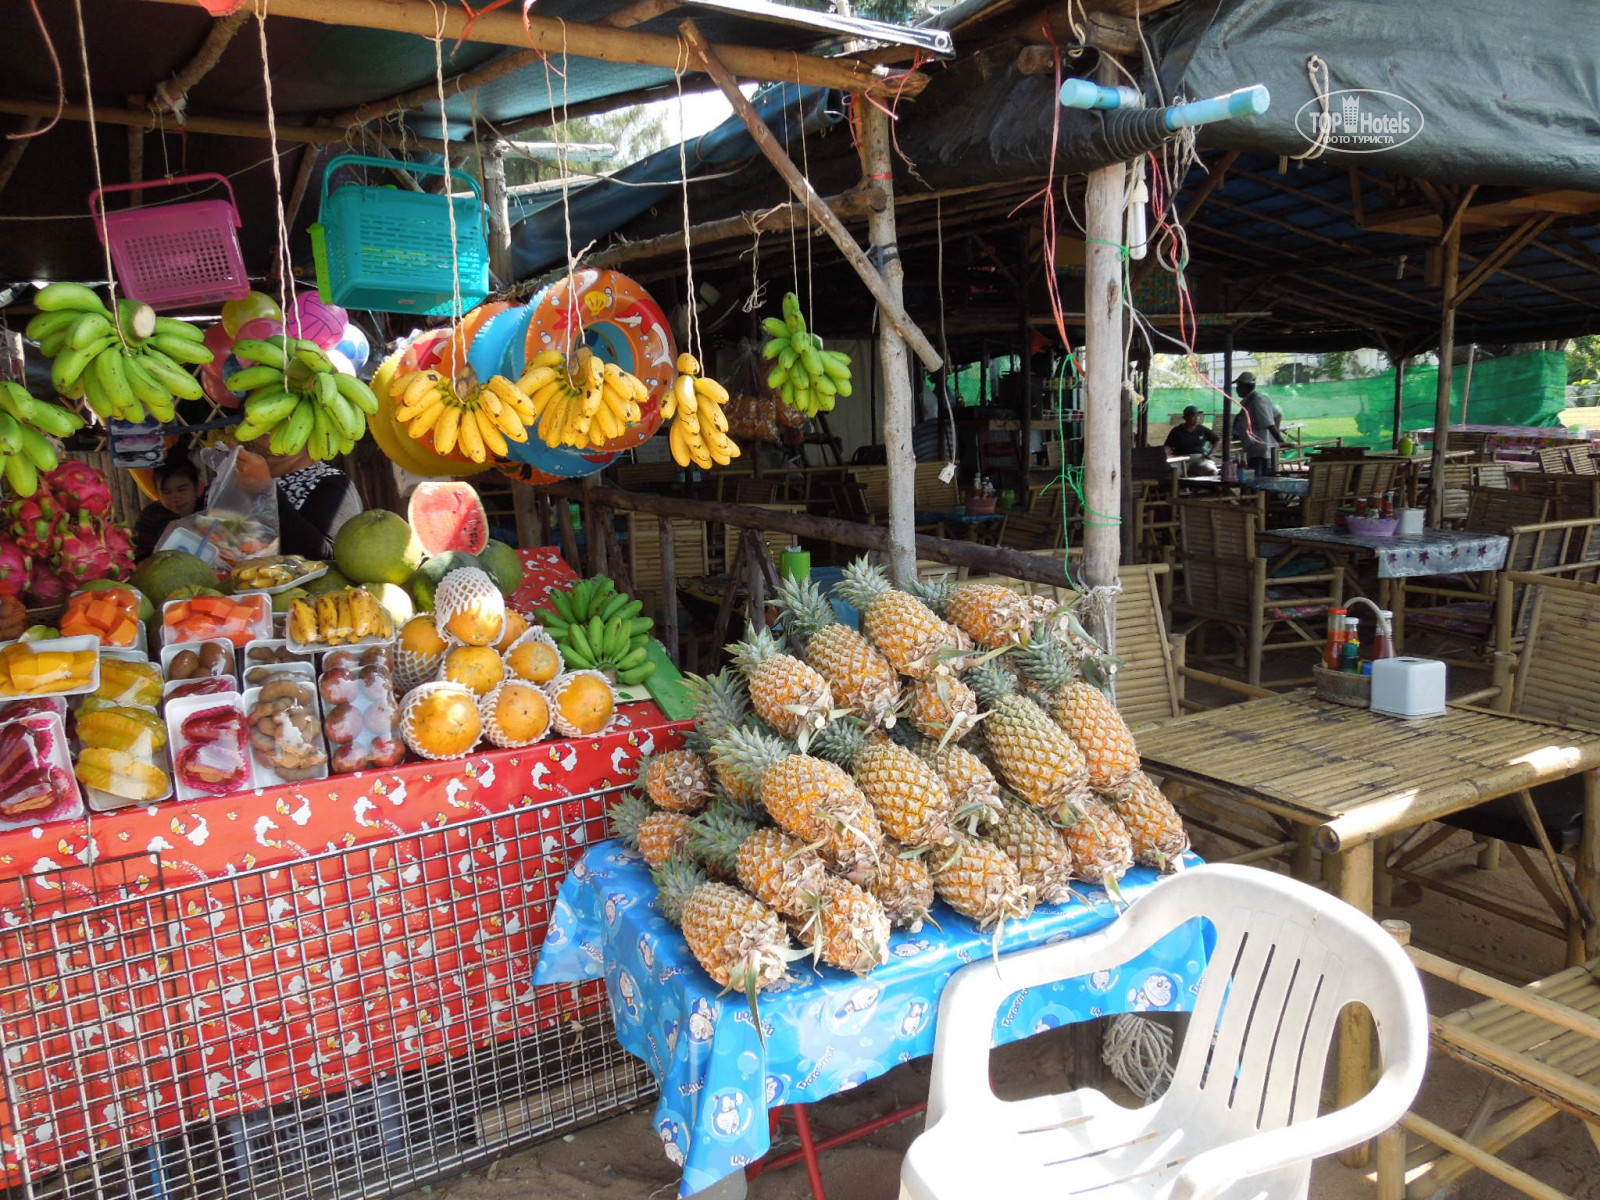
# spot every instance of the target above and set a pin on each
(377, 546)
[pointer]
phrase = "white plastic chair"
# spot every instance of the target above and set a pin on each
(1240, 1119)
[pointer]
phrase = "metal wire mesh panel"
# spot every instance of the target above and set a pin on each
(349, 1024)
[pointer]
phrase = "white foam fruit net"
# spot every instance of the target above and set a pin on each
(536, 634)
(489, 708)
(412, 668)
(559, 686)
(410, 722)
(469, 590)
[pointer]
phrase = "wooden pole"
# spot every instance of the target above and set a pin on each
(171, 94)
(1103, 398)
(135, 157)
(1447, 350)
(898, 418)
(1399, 398)
(988, 560)
(499, 206)
(888, 302)
(512, 27)
(15, 151)
(669, 588)
(1226, 432)
(1025, 337)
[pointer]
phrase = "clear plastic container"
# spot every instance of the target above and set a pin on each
(36, 780)
(82, 644)
(223, 661)
(217, 765)
(361, 718)
(247, 618)
(280, 738)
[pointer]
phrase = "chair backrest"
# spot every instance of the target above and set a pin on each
(689, 553)
(849, 500)
(1560, 656)
(776, 542)
(1024, 531)
(1475, 440)
(1554, 460)
(1494, 475)
(633, 476)
(1571, 495)
(931, 492)
(758, 491)
(1581, 457)
(1495, 510)
(1335, 484)
(874, 481)
(1217, 549)
(1288, 960)
(1147, 681)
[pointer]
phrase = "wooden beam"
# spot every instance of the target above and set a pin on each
(499, 206)
(893, 311)
(19, 147)
(847, 206)
(1507, 250)
(1447, 349)
(316, 135)
(511, 27)
(172, 94)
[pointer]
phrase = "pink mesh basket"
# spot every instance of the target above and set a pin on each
(171, 255)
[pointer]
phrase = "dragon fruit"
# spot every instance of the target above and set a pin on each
(13, 568)
(45, 587)
(91, 549)
(78, 487)
(35, 524)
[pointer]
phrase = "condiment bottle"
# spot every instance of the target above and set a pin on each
(1388, 506)
(1330, 652)
(1350, 651)
(1361, 506)
(1383, 640)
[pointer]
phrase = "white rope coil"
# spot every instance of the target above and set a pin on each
(1139, 1053)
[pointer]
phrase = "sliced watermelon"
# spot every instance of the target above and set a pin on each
(448, 515)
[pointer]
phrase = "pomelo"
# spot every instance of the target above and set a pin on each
(165, 571)
(281, 601)
(376, 546)
(332, 580)
(426, 581)
(448, 515)
(396, 601)
(504, 566)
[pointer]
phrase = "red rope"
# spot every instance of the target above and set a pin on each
(61, 87)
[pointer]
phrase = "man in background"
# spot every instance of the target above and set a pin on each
(1258, 425)
(1192, 439)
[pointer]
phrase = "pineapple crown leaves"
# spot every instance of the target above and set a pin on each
(676, 880)
(807, 610)
(862, 584)
(747, 752)
(627, 815)
(757, 647)
(991, 681)
(935, 593)
(1047, 662)
(839, 741)
(716, 835)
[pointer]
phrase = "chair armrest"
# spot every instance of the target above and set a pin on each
(1208, 1173)
(1477, 697)
(1222, 681)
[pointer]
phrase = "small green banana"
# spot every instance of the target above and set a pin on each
(261, 351)
(38, 449)
(57, 296)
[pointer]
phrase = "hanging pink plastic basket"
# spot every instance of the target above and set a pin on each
(172, 255)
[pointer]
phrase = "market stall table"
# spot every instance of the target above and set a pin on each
(825, 1032)
(1350, 777)
(1431, 552)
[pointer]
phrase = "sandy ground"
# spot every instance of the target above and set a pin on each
(621, 1157)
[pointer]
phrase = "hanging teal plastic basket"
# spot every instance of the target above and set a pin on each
(388, 250)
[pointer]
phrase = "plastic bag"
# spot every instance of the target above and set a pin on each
(240, 519)
(755, 412)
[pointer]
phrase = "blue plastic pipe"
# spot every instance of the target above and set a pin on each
(1249, 101)
(1081, 93)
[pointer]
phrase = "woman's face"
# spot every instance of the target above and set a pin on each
(178, 494)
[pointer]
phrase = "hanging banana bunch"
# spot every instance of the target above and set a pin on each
(808, 377)
(26, 426)
(300, 398)
(583, 401)
(128, 365)
(462, 414)
(699, 426)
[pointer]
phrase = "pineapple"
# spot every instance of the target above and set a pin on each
(1101, 845)
(768, 863)
(1159, 838)
(1043, 860)
(907, 632)
(903, 886)
(972, 785)
(846, 927)
(991, 615)
(679, 780)
(942, 707)
(1036, 758)
(656, 835)
(785, 692)
(1094, 723)
(739, 941)
(910, 799)
(977, 879)
(720, 704)
(861, 678)
(811, 799)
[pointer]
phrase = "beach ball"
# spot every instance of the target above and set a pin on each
(252, 307)
(353, 345)
(311, 318)
(257, 330)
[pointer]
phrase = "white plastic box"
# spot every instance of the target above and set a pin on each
(1408, 687)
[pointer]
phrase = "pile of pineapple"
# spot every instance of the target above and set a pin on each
(955, 747)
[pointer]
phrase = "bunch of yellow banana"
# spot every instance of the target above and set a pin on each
(699, 426)
(478, 418)
(584, 402)
(337, 618)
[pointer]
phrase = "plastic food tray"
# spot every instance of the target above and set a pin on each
(177, 712)
(78, 642)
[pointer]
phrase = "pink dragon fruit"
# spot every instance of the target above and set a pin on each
(45, 587)
(78, 487)
(13, 568)
(35, 524)
(91, 549)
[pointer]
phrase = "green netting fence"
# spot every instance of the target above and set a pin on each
(1519, 389)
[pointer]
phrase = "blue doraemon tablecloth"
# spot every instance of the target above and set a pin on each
(826, 1033)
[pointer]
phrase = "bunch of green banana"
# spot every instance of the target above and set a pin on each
(805, 375)
(599, 628)
(26, 426)
(128, 365)
(300, 398)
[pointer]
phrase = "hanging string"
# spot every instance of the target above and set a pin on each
(691, 327)
(94, 149)
(758, 289)
(805, 169)
(457, 338)
(61, 83)
(944, 345)
(277, 177)
(563, 163)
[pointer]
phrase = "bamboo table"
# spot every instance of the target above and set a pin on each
(1348, 777)
(1431, 552)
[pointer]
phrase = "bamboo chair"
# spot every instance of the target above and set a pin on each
(1542, 1040)
(1227, 583)
(1553, 460)
(1582, 458)
(776, 541)
(1571, 496)
(1023, 531)
(1475, 440)
(689, 554)
(1460, 478)
(1546, 672)
(1496, 510)
(1336, 484)
(634, 476)
(874, 481)
(766, 490)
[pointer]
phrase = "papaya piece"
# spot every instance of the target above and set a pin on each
(217, 606)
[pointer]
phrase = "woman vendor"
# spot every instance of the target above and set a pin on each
(314, 498)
